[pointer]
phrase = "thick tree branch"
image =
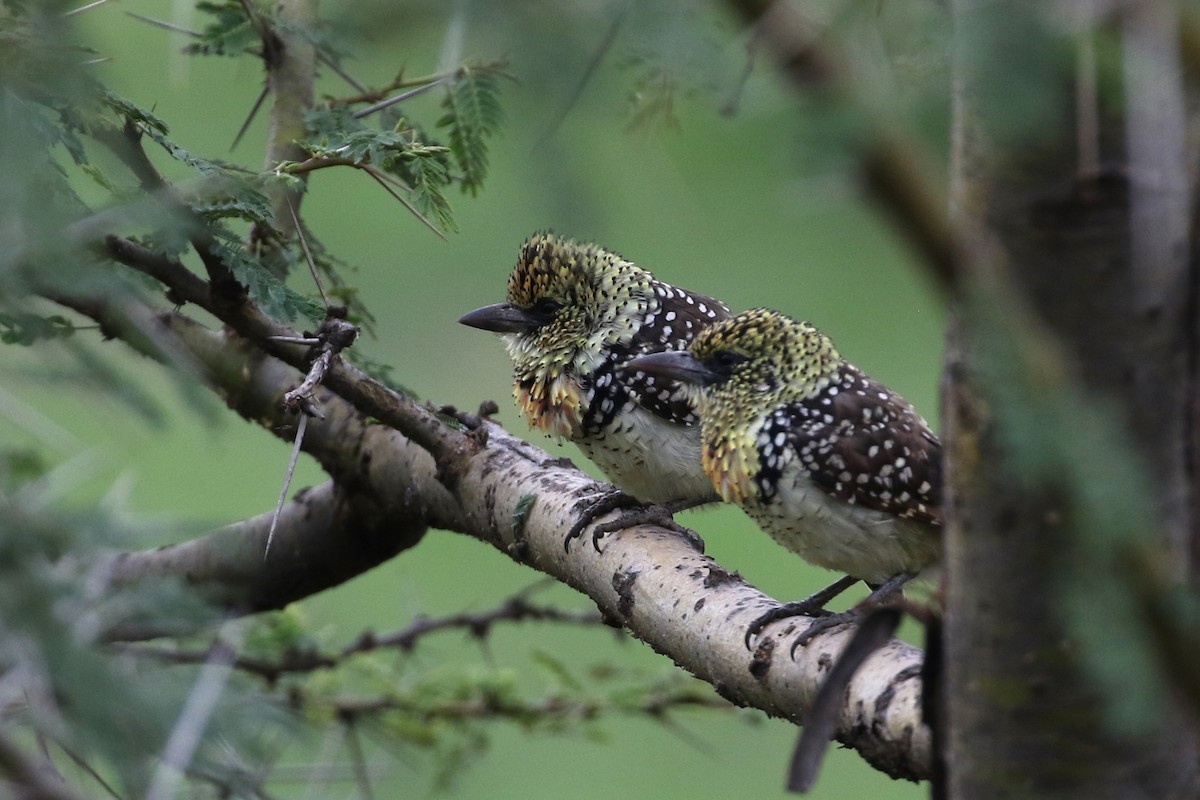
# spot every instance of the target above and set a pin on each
(290, 59)
(367, 395)
(680, 602)
(325, 536)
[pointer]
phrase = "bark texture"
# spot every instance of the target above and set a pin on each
(1053, 261)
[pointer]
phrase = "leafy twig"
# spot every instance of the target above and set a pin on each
(517, 608)
(400, 98)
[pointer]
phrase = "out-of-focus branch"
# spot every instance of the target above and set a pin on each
(290, 59)
(29, 778)
(325, 536)
(892, 161)
(126, 145)
(516, 609)
(367, 395)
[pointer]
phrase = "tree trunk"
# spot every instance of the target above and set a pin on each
(1085, 274)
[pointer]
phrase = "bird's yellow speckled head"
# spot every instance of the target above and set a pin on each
(758, 360)
(592, 299)
(768, 358)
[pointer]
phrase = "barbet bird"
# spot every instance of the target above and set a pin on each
(575, 313)
(833, 465)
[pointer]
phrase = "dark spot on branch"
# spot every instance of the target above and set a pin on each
(885, 697)
(729, 694)
(699, 605)
(622, 583)
(760, 662)
(717, 576)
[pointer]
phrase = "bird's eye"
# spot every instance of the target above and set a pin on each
(547, 306)
(727, 359)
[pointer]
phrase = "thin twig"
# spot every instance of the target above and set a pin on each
(589, 72)
(306, 340)
(89, 769)
(165, 25)
(287, 482)
(334, 335)
(655, 705)
(375, 173)
(82, 9)
(400, 98)
(515, 609)
(341, 73)
(254, 109)
(312, 264)
(25, 773)
(127, 146)
(358, 759)
(375, 95)
(255, 21)
(892, 160)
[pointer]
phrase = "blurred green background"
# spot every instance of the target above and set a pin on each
(757, 207)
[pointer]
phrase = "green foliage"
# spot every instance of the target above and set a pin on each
(230, 32)
(23, 328)
(401, 151)
(266, 289)
(473, 113)
(425, 168)
(50, 618)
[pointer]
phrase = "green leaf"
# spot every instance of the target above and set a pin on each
(247, 205)
(428, 175)
(134, 113)
(94, 172)
(230, 32)
(473, 113)
(266, 290)
(22, 328)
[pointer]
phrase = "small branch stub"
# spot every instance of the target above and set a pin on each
(334, 335)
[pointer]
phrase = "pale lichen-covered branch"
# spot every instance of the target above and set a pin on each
(521, 501)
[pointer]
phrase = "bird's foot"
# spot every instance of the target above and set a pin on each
(632, 513)
(879, 597)
(660, 514)
(812, 606)
(826, 623)
(609, 501)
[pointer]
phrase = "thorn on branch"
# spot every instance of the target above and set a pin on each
(334, 336)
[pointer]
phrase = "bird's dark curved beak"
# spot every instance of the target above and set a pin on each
(502, 318)
(675, 365)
